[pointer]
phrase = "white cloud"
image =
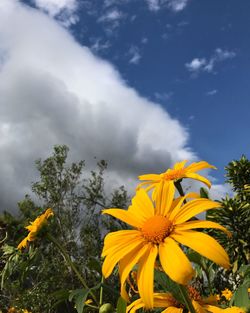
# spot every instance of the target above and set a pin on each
(174, 5)
(198, 65)
(63, 9)
(212, 92)
(111, 19)
(163, 96)
(99, 45)
(134, 55)
(55, 91)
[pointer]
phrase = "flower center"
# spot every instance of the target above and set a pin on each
(156, 229)
(194, 293)
(173, 174)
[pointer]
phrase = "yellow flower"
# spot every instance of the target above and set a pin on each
(171, 305)
(35, 227)
(160, 300)
(89, 301)
(12, 310)
(176, 173)
(157, 231)
(227, 294)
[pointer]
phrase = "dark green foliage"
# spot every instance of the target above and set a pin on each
(235, 216)
(38, 279)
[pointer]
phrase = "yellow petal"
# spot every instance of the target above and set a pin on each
(201, 224)
(174, 262)
(179, 165)
(197, 166)
(124, 216)
(142, 207)
(153, 177)
(117, 254)
(198, 308)
(164, 197)
(193, 208)
(146, 276)
(136, 305)
(203, 244)
(177, 203)
(198, 177)
(213, 309)
(117, 238)
(128, 262)
(172, 309)
(23, 244)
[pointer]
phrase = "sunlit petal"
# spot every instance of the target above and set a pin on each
(201, 224)
(193, 208)
(142, 207)
(203, 244)
(164, 197)
(198, 177)
(198, 166)
(174, 262)
(179, 165)
(117, 254)
(172, 309)
(127, 263)
(146, 276)
(125, 216)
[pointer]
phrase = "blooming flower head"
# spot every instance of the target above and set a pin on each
(178, 172)
(35, 227)
(160, 300)
(227, 294)
(171, 305)
(158, 227)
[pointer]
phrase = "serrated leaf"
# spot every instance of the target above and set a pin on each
(79, 296)
(121, 305)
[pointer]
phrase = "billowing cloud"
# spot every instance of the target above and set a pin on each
(64, 10)
(55, 91)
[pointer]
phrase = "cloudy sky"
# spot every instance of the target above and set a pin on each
(140, 83)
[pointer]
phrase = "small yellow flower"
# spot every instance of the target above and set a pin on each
(89, 301)
(12, 310)
(158, 227)
(176, 173)
(35, 227)
(227, 294)
(217, 297)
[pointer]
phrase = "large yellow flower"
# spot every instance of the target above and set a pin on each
(35, 227)
(176, 173)
(156, 231)
(171, 305)
(160, 300)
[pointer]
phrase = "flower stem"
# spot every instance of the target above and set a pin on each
(179, 187)
(70, 263)
(186, 299)
(101, 291)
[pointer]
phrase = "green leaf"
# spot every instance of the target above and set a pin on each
(241, 297)
(79, 296)
(121, 305)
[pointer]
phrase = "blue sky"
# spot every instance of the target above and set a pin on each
(213, 104)
(141, 83)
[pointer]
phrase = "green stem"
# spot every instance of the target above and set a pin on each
(101, 291)
(71, 264)
(179, 187)
(186, 299)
